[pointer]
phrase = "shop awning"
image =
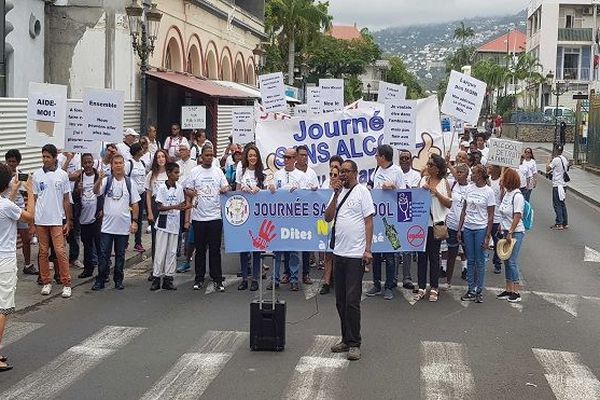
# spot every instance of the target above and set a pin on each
(203, 86)
(251, 90)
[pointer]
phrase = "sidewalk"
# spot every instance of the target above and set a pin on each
(583, 183)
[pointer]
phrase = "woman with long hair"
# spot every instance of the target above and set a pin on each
(528, 173)
(156, 177)
(250, 178)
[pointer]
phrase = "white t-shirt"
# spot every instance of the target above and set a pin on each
(172, 145)
(458, 197)
(484, 154)
(533, 168)
(509, 207)
(495, 185)
(311, 178)
(153, 184)
(524, 171)
(136, 171)
(117, 217)
(392, 174)
(125, 150)
(147, 159)
(50, 188)
(185, 168)
(89, 200)
(478, 199)
(558, 170)
(438, 210)
(9, 215)
(350, 235)
(412, 178)
(246, 178)
(152, 147)
(207, 182)
(170, 196)
(74, 165)
(283, 179)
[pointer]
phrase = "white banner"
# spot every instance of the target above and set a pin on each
(272, 92)
(331, 95)
(242, 130)
(400, 124)
(506, 153)
(193, 117)
(464, 97)
(390, 91)
(313, 99)
(46, 114)
(103, 115)
(75, 140)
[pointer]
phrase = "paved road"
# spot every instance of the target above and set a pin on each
(188, 345)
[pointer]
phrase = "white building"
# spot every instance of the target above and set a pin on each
(562, 34)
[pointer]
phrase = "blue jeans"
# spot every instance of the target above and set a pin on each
(526, 193)
(473, 239)
(560, 208)
(390, 269)
(294, 265)
(244, 258)
(106, 242)
(511, 266)
(495, 238)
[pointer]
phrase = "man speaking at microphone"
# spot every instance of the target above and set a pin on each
(351, 210)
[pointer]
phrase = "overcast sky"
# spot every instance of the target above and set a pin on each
(378, 14)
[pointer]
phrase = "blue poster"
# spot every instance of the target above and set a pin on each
(293, 221)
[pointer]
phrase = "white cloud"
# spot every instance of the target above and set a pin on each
(379, 14)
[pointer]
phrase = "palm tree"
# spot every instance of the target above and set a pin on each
(494, 75)
(298, 19)
(462, 33)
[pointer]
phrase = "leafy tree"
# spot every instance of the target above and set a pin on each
(462, 33)
(399, 75)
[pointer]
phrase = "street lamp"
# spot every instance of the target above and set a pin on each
(559, 89)
(259, 59)
(144, 22)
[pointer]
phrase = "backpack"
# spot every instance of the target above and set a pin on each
(528, 213)
(131, 166)
(109, 181)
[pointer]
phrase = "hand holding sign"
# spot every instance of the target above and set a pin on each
(265, 235)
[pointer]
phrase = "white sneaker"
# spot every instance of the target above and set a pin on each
(46, 289)
(77, 264)
(66, 293)
(149, 229)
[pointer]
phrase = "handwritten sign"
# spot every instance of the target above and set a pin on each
(332, 95)
(272, 92)
(390, 91)
(464, 97)
(75, 139)
(400, 124)
(301, 110)
(313, 99)
(103, 115)
(46, 114)
(193, 117)
(506, 153)
(242, 129)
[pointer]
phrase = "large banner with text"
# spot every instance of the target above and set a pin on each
(294, 221)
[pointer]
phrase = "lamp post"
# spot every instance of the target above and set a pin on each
(259, 60)
(144, 22)
(559, 89)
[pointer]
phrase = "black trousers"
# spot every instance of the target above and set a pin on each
(431, 256)
(348, 275)
(92, 245)
(207, 235)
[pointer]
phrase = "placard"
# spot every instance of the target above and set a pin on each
(400, 124)
(103, 115)
(46, 114)
(193, 117)
(75, 140)
(390, 91)
(331, 95)
(464, 97)
(242, 129)
(272, 92)
(313, 100)
(505, 153)
(301, 110)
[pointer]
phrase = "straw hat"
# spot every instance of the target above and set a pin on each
(504, 249)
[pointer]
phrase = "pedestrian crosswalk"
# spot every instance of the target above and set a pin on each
(447, 369)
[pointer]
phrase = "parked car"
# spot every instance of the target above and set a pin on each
(560, 113)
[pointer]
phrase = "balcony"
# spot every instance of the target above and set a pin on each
(576, 74)
(575, 35)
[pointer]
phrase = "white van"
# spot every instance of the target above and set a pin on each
(561, 113)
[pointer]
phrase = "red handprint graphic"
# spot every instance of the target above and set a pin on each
(265, 235)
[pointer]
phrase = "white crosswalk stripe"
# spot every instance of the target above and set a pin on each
(60, 373)
(567, 376)
(195, 370)
(566, 302)
(445, 374)
(16, 330)
(318, 373)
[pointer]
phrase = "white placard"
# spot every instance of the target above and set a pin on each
(390, 91)
(242, 129)
(332, 95)
(46, 114)
(400, 124)
(193, 117)
(313, 100)
(506, 153)
(301, 110)
(272, 92)
(464, 97)
(75, 140)
(103, 115)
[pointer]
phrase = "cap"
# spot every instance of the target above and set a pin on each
(464, 143)
(130, 131)
(184, 145)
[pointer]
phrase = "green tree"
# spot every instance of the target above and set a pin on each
(462, 33)
(494, 75)
(399, 75)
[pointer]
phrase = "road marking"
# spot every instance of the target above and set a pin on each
(16, 330)
(311, 291)
(566, 302)
(230, 280)
(196, 369)
(445, 374)
(318, 373)
(567, 376)
(366, 285)
(51, 379)
(456, 292)
(591, 255)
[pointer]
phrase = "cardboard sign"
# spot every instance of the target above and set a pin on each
(505, 153)
(313, 100)
(464, 97)
(75, 139)
(103, 115)
(400, 124)
(193, 117)
(46, 114)
(332, 95)
(272, 92)
(242, 129)
(390, 91)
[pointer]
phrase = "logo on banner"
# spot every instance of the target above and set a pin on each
(405, 213)
(237, 210)
(265, 236)
(415, 236)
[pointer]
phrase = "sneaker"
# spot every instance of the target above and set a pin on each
(463, 275)
(46, 289)
(341, 347)
(325, 288)
(468, 296)
(497, 268)
(374, 291)
(243, 285)
(30, 270)
(408, 285)
(479, 298)
(149, 229)
(139, 248)
(388, 294)
(219, 287)
(77, 264)
(503, 296)
(514, 297)
(33, 241)
(183, 267)
(85, 274)
(253, 286)
(198, 285)
(119, 286)
(312, 264)
(66, 293)
(98, 286)
(294, 287)
(353, 354)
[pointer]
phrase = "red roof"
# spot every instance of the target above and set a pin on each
(344, 32)
(517, 41)
(199, 85)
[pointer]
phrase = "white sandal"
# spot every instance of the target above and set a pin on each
(433, 295)
(420, 294)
